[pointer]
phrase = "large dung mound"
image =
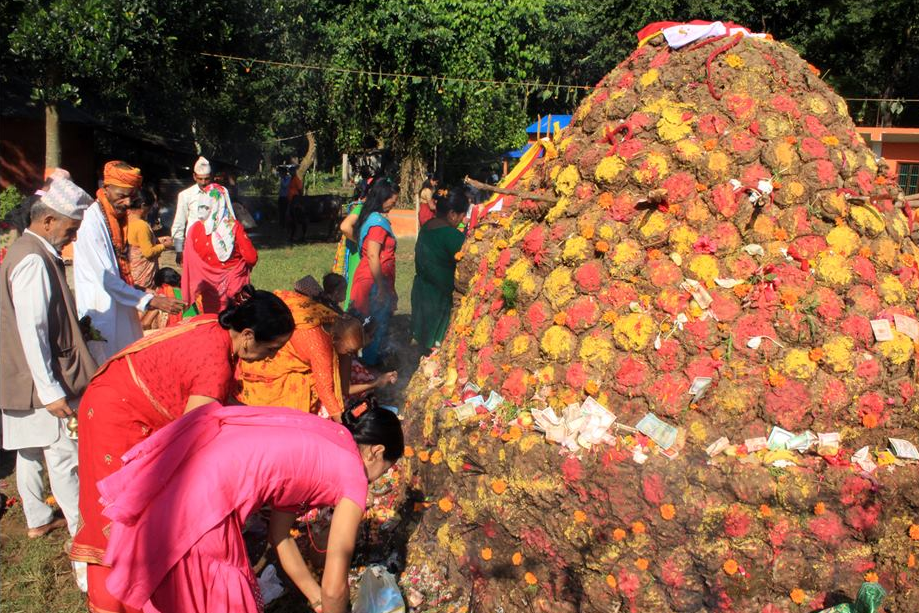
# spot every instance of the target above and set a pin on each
(711, 213)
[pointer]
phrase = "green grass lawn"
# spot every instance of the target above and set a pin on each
(35, 574)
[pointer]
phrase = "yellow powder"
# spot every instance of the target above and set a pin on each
(563, 146)
(576, 249)
(777, 126)
(605, 232)
(518, 270)
(682, 239)
(567, 180)
(817, 106)
(553, 172)
(447, 541)
(518, 231)
(584, 108)
(843, 240)
(559, 288)
(797, 364)
(718, 162)
(657, 165)
(656, 224)
(698, 432)
(649, 77)
(869, 161)
(596, 349)
(794, 191)
(528, 287)
(558, 209)
(705, 267)
(733, 60)
(609, 168)
(899, 350)
(867, 219)
(625, 253)
(837, 353)
(830, 141)
(687, 151)
(891, 290)
(833, 269)
(851, 158)
(671, 127)
(558, 343)
(842, 108)
(834, 203)
(482, 333)
(697, 211)
(520, 345)
(633, 331)
(464, 313)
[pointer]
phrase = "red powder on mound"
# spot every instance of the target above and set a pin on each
(663, 272)
(668, 393)
(533, 243)
(506, 326)
(668, 357)
(623, 208)
(671, 574)
(628, 583)
(854, 490)
(789, 405)
(572, 472)
(588, 277)
(632, 373)
(680, 187)
(652, 486)
(863, 519)
(858, 327)
(536, 316)
(725, 202)
(725, 307)
(575, 376)
(582, 314)
(515, 386)
(828, 528)
(737, 522)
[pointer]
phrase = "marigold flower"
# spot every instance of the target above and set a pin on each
(445, 505)
(437, 457)
(641, 564)
(911, 561)
(409, 451)
(580, 516)
(611, 581)
(591, 388)
(914, 532)
(819, 508)
(668, 511)
(499, 486)
(870, 420)
(486, 553)
(610, 317)
(294, 532)
(423, 455)
(815, 354)
(730, 566)
(517, 558)
(871, 577)
(797, 595)
(601, 247)
(560, 318)
(50, 501)
(638, 527)
(619, 534)
(531, 579)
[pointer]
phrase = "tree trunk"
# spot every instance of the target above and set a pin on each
(412, 171)
(52, 136)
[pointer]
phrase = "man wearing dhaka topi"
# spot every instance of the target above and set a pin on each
(102, 274)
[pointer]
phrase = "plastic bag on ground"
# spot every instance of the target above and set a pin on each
(869, 599)
(378, 592)
(269, 584)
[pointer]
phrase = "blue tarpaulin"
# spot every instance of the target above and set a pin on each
(542, 126)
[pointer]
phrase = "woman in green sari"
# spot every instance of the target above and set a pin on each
(435, 264)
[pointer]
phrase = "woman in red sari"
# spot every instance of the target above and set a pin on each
(221, 256)
(148, 385)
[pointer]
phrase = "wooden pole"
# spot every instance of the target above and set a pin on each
(509, 192)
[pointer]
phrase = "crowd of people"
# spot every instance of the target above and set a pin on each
(168, 408)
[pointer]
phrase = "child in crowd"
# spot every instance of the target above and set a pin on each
(168, 283)
(143, 247)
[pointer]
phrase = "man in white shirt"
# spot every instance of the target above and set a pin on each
(101, 272)
(46, 363)
(187, 205)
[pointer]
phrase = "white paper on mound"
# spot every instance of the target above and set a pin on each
(718, 446)
(903, 449)
(862, 457)
(882, 330)
(464, 411)
(755, 444)
(801, 442)
(907, 325)
(778, 437)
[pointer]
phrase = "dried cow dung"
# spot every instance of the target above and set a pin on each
(729, 163)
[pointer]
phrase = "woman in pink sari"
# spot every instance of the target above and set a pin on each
(179, 503)
(217, 264)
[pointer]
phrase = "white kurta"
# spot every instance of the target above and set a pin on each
(187, 214)
(30, 287)
(101, 293)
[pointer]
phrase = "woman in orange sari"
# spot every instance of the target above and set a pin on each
(151, 383)
(312, 371)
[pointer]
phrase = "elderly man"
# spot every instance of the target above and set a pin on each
(46, 363)
(102, 274)
(187, 206)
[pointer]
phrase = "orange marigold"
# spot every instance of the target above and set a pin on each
(742, 290)
(611, 581)
(819, 508)
(870, 420)
(871, 577)
(560, 318)
(409, 452)
(486, 553)
(423, 455)
(591, 388)
(499, 486)
(580, 516)
(641, 564)
(445, 505)
(601, 247)
(638, 527)
(619, 534)
(797, 595)
(517, 558)
(668, 511)
(610, 317)
(911, 561)
(710, 144)
(605, 201)
(730, 566)
(914, 532)
(531, 579)
(815, 354)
